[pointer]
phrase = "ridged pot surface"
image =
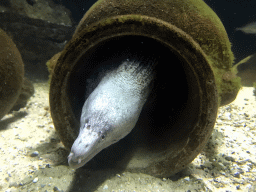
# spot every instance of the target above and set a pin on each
(11, 73)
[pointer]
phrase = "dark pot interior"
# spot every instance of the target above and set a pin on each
(170, 113)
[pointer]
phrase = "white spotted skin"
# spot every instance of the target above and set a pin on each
(111, 111)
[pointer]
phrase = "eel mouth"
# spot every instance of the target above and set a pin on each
(76, 162)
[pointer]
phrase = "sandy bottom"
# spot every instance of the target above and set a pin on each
(32, 158)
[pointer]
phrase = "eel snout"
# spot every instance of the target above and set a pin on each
(84, 148)
(74, 162)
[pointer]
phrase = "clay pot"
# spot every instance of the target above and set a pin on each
(194, 53)
(11, 73)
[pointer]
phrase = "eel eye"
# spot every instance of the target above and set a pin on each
(103, 137)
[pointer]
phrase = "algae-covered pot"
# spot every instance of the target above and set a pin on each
(11, 73)
(192, 77)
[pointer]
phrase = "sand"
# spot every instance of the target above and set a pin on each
(32, 157)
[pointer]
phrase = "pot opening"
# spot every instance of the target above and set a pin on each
(170, 113)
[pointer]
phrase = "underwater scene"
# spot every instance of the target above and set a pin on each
(127, 96)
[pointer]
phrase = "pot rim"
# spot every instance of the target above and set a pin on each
(137, 25)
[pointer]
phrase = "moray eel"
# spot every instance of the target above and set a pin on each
(112, 109)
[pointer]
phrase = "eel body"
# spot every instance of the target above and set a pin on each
(112, 109)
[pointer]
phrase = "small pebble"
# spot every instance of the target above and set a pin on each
(187, 178)
(229, 158)
(53, 140)
(34, 154)
(41, 166)
(105, 187)
(35, 180)
(9, 174)
(237, 174)
(56, 189)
